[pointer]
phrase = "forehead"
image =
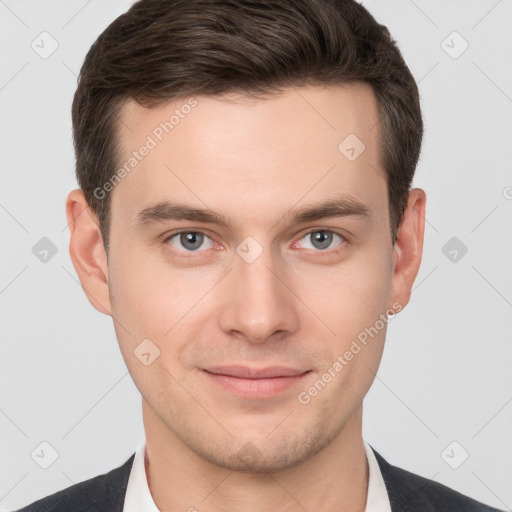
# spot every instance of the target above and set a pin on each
(251, 157)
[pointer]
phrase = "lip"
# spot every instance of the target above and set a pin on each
(256, 383)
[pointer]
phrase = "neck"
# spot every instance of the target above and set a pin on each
(335, 478)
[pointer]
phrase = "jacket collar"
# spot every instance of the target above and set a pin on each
(404, 492)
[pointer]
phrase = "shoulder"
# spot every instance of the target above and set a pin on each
(102, 492)
(410, 492)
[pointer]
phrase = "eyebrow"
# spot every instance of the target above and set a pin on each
(163, 211)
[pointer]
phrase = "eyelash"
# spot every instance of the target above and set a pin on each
(192, 254)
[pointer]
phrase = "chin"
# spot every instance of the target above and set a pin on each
(260, 453)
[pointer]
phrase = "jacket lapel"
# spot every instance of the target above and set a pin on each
(404, 494)
(106, 492)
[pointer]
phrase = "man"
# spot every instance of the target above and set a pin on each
(246, 216)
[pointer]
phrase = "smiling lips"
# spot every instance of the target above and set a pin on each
(255, 383)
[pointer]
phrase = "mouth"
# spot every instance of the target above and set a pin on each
(255, 383)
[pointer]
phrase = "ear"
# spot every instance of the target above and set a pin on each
(408, 248)
(87, 251)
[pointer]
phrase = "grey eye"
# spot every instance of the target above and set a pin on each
(320, 239)
(189, 240)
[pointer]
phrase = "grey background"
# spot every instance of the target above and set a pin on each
(445, 374)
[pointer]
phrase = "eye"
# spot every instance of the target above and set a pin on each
(320, 239)
(189, 241)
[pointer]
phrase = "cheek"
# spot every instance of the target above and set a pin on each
(161, 303)
(150, 295)
(352, 304)
(147, 307)
(347, 297)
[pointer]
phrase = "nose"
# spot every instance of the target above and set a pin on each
(258, 301)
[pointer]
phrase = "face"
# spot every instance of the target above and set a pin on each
(253, 329)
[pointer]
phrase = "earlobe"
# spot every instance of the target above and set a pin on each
(408, 248)
(87, 251)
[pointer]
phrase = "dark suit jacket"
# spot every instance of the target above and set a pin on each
(407, 493)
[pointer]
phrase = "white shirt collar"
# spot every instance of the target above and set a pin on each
(378, 499)
(138, 497)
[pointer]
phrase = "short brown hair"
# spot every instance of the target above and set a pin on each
(160, 50)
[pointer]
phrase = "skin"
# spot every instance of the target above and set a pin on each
(296, 305)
